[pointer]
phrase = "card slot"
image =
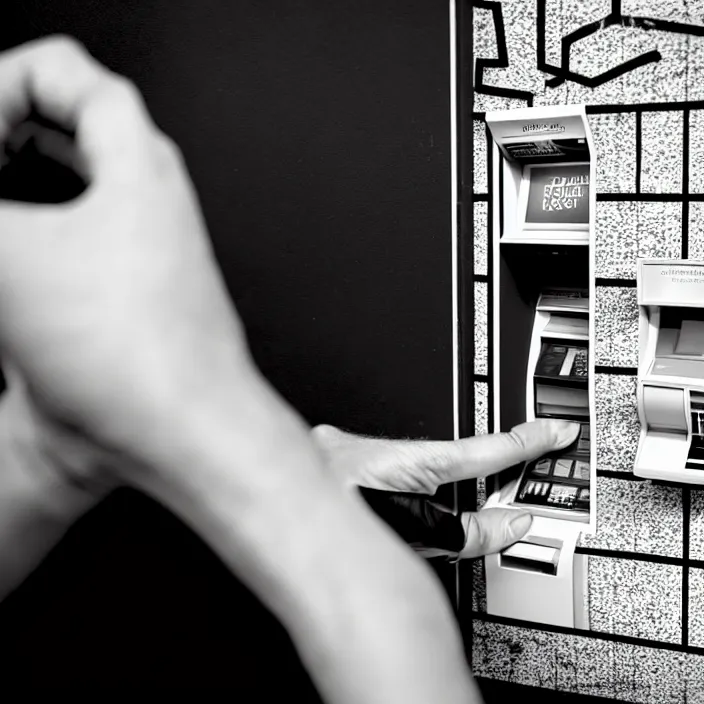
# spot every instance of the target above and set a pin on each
(526, 565)
(570, 481)
(561, 414)
(560, 360)
(565, 380)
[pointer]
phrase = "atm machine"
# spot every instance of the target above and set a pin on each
(543, 210)
(671, 370)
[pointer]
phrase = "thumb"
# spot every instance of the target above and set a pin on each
(493, 530)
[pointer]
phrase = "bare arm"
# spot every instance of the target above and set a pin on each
(113, 309)
(369, 619)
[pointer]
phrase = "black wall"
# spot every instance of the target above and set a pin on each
(317, 134)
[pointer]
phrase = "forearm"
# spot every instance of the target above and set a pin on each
(37, 506)
(368, 618)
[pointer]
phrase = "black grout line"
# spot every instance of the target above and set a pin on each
(621, 283)
(481, 377)
(686, 514)
(490, 293)
(621, 371)
(481, 277)
(686, 491)
(635, 107)
(685, 184)
(627, 555)
(480, 197)
(639, 150)
(625, 476)
(685, 229)
(596, 635)
(500, 60)
(650, 197)
(540, 54)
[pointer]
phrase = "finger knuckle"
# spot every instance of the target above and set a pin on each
(120, 104)
(324, 435)
(516, 440)
(477, 538)
(550, 431)
(420, 474)
(63, 48)
(115, 104)
(421, 484)
(170, 148)
(123, 93)
(431, 480)
(167, 157)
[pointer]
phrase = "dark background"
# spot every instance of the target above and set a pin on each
(317, 134)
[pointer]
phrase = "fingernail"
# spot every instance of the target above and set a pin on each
(519, 525)
(567, 433)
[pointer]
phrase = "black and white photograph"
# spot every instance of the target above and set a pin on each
(353, 352)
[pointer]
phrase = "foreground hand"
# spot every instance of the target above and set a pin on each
(116, 311)
(422, 466)
(115, 315)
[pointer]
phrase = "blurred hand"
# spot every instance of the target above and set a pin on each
(421, 466)
(111, 305)
(117, 324)
(105, 302)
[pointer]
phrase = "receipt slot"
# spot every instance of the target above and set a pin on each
(671, 370)
(543, 207)
(539, 579)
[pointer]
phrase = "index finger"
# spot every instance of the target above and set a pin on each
(65, 84)
(482, 455)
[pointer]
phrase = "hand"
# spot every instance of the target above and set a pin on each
(105, 322)
(421, 466)
(113, 311)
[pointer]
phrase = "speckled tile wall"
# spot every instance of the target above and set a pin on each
(623, 670)
(643, 83)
